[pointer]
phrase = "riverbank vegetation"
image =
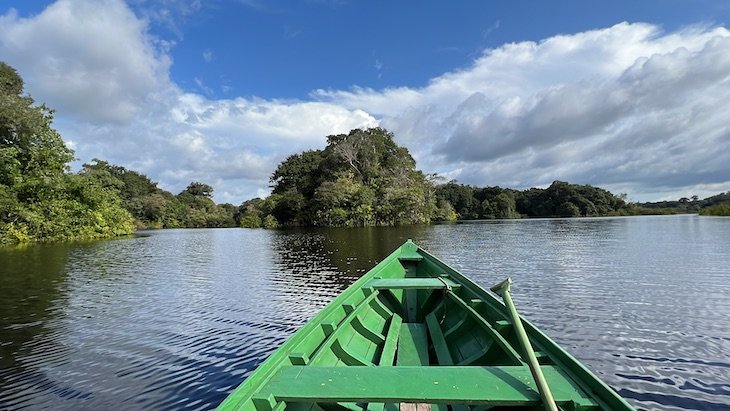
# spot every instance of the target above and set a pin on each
(714, 205)
(40, 199)
(717, 210)
(560, 199)
(153, 207)
(362, 178)
(717, 205)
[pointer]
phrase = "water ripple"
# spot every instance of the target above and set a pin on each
(177, 319)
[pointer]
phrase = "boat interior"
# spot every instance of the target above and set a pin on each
(416, 335)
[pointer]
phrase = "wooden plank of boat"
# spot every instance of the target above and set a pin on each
(413, 334)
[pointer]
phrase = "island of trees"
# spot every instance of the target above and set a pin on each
(364, 178)
(361, 178)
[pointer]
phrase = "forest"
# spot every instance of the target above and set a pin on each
(362, 178)
(42, 200)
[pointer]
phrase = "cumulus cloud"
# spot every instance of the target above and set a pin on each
(623, 107)
(108, 78)
(90, 60)
(628, 107)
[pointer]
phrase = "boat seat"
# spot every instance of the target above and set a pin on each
(492, 386)
(411, 283)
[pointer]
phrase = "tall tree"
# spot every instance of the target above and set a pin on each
(360, 178)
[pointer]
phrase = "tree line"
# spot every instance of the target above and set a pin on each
(153, 207)
(42, 200)
(561, 199)
(362, 178)
(718, 205)
(359, 179)
(39, 198)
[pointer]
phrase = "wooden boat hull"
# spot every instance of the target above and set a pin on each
(415, 331)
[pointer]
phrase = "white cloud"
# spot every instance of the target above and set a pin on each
(627, 107)
(90, 60)
(624, 105)
(208, 56)
(96, 63)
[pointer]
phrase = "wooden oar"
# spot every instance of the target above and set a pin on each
(502, 289)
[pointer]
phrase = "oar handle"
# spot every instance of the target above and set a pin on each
(547, 397)
(502, 286)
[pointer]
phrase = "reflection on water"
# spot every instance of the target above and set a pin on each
(176, 319)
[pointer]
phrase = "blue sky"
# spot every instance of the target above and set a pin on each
(286, 49)
(629, 95)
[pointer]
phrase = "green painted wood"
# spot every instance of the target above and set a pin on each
(391, 341)
(439, 342)
(264, 402)
(463, 331)
(497, 337)
(348, 357)
(409, 252)
(410, 301)
(503, 327)
(414, 283)
(506, 385)
(299, 358)
(379, 406)
(375, 322)
(363, 326)
(461, 322)
(334, 332)
(547, 397)
(413, 345)
(380, 308)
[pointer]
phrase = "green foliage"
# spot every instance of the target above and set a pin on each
(250, 220)
(270, 222)
(288, 207)
(299, 172)
(567, 209)
(361, 178)
(198, 189)
(79, 208)
(717, 210)
(39, 199)
(561, 199)
(445, 211)
(718, 205)
(504, 206)
(196, 209)
(684, 205)
(722, 198)
(153, 207)
(462, 199)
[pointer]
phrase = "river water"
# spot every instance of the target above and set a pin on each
(175, 319)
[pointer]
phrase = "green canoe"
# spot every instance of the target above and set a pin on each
(414, 334)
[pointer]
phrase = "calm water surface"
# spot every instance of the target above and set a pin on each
(176, 319)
